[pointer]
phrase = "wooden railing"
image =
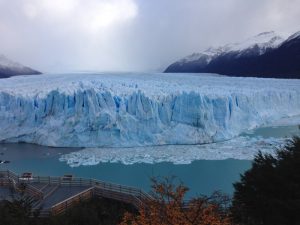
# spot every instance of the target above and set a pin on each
(34, 192)
(97, 188)
(66, 204)
(15, 179)
(5, 182)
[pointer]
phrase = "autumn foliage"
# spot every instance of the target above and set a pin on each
(169, 208)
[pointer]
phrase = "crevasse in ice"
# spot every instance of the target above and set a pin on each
(125, 109)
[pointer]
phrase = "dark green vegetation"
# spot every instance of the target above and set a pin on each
(17, 212)
(93, 212)
(269, 193)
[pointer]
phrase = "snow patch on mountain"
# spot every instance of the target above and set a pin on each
(7, 63)
(10, 68)
(262, 41)
(295, 35)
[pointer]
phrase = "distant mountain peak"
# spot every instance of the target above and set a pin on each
(263, 41)
(294, 36)
(266, 54)
(5, 62)
(10, 68)
(267, 33)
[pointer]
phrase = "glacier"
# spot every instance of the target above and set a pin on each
(139, 109)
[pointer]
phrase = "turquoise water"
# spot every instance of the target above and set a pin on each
(274, 131)
(201, 176)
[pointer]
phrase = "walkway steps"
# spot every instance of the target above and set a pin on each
(62, 206)
(49, 190)
(44, 186)
(57, 194)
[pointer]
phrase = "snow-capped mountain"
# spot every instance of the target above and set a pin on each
(259, 43)
(10, 68)
(240, 59)
(262, 42)
(294, 36)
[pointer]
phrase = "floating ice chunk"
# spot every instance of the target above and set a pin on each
(243, 147)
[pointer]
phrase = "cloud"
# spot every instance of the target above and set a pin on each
(39, 8)
(139, 35)
(90, 15)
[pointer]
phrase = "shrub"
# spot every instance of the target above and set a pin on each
(169, 208)
(269, 193)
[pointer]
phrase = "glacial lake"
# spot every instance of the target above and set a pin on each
(201, 176)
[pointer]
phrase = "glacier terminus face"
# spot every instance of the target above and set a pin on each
(139, 109)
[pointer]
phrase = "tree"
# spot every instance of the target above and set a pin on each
(269, 193)
(18, 211)
(169, 208)
(94, 211)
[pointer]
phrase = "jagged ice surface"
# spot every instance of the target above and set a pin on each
(124, 110)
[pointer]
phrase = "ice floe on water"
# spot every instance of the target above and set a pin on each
(243, 147)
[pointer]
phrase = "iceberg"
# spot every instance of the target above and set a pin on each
(139, 109)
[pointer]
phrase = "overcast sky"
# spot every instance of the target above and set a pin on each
(131, 35)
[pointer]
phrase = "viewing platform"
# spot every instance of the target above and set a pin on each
(54, 195)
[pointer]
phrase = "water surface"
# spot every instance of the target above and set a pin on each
(201, 176)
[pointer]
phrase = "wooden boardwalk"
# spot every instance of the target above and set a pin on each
(54, 195)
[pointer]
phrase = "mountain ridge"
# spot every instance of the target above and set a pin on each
(259, 56)
(9, 68)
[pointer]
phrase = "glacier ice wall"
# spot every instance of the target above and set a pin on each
(124, 110)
